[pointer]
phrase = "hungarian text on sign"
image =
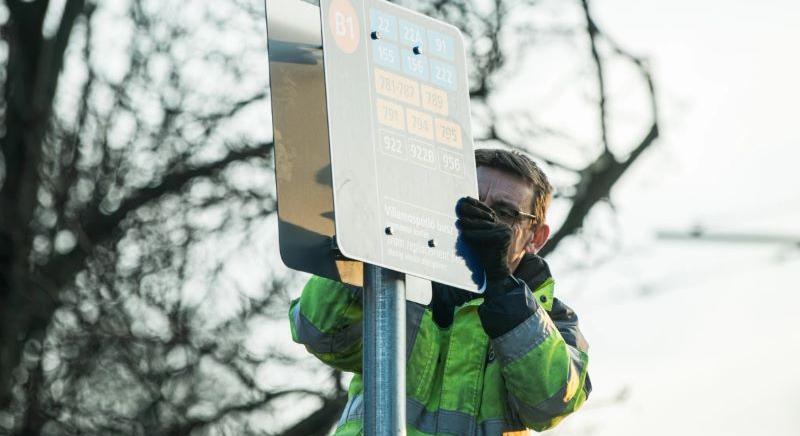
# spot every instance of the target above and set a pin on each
(434, 100)
(422, 153)
(392, 144)
(420, 124)
(397, 87)
(448, 133)
(344, 25)
(386, 54)
(412, 34)
(383, 23)
(452, 163)
(415, 65)
(441, 45)
(389, 114)
(443, 74)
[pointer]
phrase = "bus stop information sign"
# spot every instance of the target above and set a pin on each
(400, 141)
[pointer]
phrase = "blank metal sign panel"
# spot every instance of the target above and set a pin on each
(302, 159)
(400, 141)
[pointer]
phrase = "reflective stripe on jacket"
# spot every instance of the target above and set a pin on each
(458, 380)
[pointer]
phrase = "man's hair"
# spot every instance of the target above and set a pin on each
(517, 164)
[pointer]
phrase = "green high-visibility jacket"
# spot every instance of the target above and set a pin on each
(458, 380)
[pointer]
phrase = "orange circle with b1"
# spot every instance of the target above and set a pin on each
(343, 22)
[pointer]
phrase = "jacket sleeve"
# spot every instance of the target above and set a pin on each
(327, 320)
(544, 364)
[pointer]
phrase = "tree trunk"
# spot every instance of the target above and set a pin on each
(32, 70)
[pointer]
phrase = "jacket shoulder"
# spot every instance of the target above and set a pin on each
(566, 320)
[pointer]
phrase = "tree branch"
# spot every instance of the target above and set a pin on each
(592, 31)
(248, 406)
(320, 422)
(98, 227)
(494, 135)
(600, 176)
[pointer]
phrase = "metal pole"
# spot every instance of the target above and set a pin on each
(384, 352)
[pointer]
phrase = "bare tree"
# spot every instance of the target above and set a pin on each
(126, 144)
(137, 269)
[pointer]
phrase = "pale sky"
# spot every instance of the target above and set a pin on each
(702, 337)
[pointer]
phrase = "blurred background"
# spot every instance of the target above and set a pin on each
(140, 287)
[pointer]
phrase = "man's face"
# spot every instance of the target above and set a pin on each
(498, 188)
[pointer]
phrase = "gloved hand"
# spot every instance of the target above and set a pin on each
(444, 301)
(488, 236)
(533, 270)
(507, 301)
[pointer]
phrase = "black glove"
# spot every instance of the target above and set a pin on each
(488, 237)
(533, 270)
(507, 301)
(444, 301)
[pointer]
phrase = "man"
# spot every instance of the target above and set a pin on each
(508, 360)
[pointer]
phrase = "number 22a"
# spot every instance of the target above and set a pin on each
(412, 35)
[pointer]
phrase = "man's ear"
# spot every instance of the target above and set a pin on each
(537, 239)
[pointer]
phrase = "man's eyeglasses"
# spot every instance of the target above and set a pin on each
(511, 216)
